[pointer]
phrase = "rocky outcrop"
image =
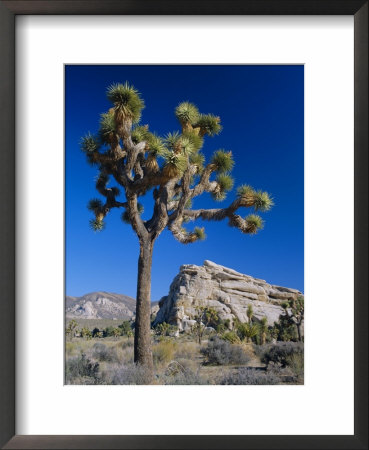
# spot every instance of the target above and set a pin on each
(224, 289)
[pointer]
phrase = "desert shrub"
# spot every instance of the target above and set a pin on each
(281, 352)
(286, 329)
(81, 370)
(220, 352)
(179, 372)
(295, 363)
(108, 331)
(96, 333)
(165, 329)
(247, 331)
(247, 375)
(126, 328)
(86, 333)
(103, 353)
(187, 377)
(132, 374)
(231, 336)
(163, 351)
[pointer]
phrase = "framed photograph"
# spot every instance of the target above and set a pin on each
(213, 293)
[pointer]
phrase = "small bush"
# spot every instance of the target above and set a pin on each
(295, 362)
(220, 352)
(281, 352)
(103, 353)
(179, 372)
(81, 370)
(165, 329)
(109, 331)
(231, 336)
(126, 328)
(163, 351)
(132, 374)
(248, 375)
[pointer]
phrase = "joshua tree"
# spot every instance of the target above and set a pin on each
(204, 317)
(247, 331)
(86, 333)
(173, 171)
(72, 328)
(294, 311)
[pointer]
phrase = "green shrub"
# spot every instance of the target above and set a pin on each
(86, 333)
(231, 336)
(96, 332)
(281, 352)
(165, 329)
(109, 331)
(220, 352)
(126, 328)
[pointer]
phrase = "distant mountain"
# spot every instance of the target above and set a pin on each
(100, 305)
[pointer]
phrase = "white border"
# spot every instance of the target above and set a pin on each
(325, 404)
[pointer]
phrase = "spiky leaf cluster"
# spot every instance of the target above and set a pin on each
(97, 225)
(187, 113)
(254, 223)
(139, 133)
(263, 201)
(209, 124)
(196, 140)
(89, 143)
(223, 161)
(225, 182)
(200, 233)
(186, 145)
(198, 160)
(156, 144)
(107, 127)
(178, 161)
(94, 205)
(127, 100)
(172, 140)
(245, 191)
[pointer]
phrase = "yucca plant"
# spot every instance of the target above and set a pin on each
(127, 101)
(174, 171)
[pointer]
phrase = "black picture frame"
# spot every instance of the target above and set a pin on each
(8, 12)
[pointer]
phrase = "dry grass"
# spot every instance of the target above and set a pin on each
(176, 361)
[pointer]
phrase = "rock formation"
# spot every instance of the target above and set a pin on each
(100, 305)
(226, 290)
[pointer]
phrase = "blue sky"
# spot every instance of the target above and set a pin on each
(262, 114)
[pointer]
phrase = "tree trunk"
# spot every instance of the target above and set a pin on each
(142, 347)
